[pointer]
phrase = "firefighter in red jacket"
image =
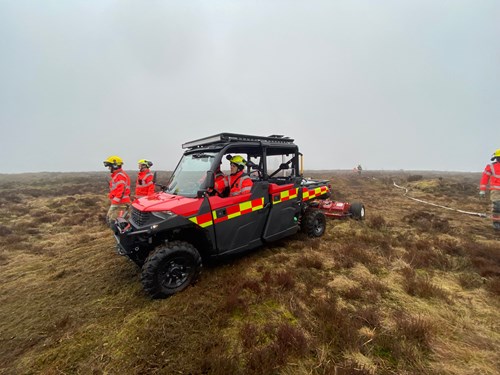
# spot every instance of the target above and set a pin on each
(236, 183)
(491, 177)
(119, 189)
(239, 182)
(221, 182)
(145, 184)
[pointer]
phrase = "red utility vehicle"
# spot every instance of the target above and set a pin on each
(170, 232)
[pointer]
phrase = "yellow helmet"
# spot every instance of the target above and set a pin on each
(146, 162)
(238, 160)
(495, 155)
(113, 161)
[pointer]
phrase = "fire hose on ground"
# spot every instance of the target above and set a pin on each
(438, 205)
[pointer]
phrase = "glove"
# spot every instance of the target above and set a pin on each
(482, 194)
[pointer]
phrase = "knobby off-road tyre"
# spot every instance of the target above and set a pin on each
(357, 211)
(171, 268)
(314, 222)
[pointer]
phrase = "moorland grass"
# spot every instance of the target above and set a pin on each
(412, 289)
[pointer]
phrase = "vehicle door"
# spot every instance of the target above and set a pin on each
(239, 221)
(284, 198)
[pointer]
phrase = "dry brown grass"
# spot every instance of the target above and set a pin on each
(412, 289)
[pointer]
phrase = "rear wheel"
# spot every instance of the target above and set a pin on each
(357, 211)
(314, 223)
(171, 268)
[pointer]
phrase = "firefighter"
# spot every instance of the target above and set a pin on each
(239, 182)
(145, 184)
(221, 182)
(119, 189)
(491, 177)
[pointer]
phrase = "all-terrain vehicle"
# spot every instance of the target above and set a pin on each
(170, 232)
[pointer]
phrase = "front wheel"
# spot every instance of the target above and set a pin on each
(171, 268)
(357, 211)
(314, 223)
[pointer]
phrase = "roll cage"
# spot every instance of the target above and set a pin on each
(274, 159)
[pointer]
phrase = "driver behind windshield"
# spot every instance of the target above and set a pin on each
(239, 182)
(236, 183)
(221, 182)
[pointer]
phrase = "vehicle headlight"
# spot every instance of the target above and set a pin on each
(164, 214)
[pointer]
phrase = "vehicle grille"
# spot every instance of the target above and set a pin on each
(140, 218)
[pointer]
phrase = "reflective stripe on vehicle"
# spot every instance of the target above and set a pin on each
(203, 220)
(227, 213)
(313, 193)
(285, 195)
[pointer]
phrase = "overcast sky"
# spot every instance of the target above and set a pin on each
(390, 84)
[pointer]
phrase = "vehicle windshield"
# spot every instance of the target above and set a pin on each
(190, 174)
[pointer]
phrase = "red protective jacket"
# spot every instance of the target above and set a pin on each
(491, 175)
(221, 183)
(144, 185)
(119, 187)
(239, 183)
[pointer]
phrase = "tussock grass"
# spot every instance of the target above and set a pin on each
(421, 285)
(428, 222)
(470, 280)
(411, 289)
(310, 261)
(377, 222)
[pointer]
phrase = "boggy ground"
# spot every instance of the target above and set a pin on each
(413, 289)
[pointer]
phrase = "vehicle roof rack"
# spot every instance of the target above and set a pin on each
(233, 137)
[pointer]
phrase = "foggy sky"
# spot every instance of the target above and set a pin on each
(411, 84)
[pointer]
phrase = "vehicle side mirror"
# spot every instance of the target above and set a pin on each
(209, 183)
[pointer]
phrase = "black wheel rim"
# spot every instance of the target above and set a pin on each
(318, 226)
(175, 272)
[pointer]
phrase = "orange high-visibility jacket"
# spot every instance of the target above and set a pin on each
(119, 187)
(491, 175)
(240, 183)
(144, 185)
(221, 183)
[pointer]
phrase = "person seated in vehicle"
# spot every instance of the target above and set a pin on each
(221, 182)
(239, 181)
